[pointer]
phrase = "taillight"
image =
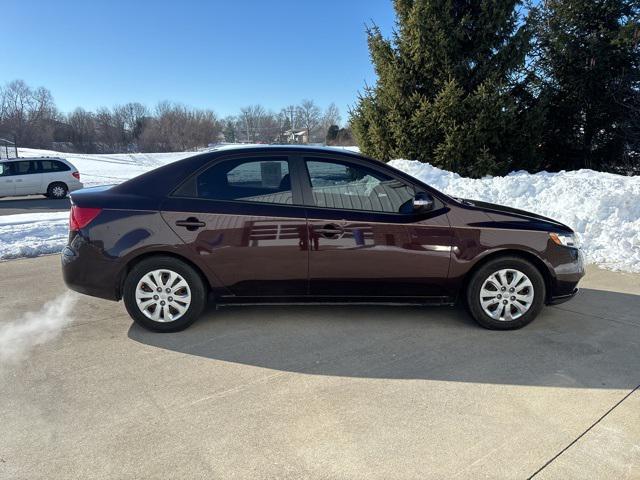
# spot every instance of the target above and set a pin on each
(80, 217)
(76, 174)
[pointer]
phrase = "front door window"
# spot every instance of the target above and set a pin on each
(351, 187)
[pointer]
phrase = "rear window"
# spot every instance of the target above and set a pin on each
(53, 166)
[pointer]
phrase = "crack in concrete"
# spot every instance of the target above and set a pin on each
(574, 441)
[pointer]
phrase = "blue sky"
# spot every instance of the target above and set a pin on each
(209, 54)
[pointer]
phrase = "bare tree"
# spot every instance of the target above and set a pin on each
(308, 115)
(132, 116)
(252, 119)
(108, 135)
(291, 112)
(28, 114)
(178, 128)
(83, 127)
(31, 114)
(270, 128)
(331, 116)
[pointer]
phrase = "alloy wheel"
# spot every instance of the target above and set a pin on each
(163, 295)
(58, 191)
(506, 295)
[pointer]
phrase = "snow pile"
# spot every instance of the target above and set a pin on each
(33, 234)
(603, 208)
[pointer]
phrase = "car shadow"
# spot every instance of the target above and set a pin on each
(566, 346)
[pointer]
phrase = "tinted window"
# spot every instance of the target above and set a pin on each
(52, 166)
(24, 168)
(349, 186)
(264, 180)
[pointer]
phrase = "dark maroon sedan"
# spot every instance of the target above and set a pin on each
(292, 224)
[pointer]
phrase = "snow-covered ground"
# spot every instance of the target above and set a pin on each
(603, 208)
(33, 234)
(111, 168)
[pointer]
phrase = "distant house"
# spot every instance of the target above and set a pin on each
(297, 136)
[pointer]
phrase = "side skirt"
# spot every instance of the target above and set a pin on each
(397, 301)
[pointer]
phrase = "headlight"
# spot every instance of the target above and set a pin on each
(565, 239)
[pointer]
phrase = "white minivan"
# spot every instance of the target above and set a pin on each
(50, 176)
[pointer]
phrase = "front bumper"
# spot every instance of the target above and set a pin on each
(563, 298)
(566, 275)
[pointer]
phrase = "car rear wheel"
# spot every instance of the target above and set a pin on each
(57, 190)
(506, 293)
(164, 294)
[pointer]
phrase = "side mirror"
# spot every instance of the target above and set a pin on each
(422, 202)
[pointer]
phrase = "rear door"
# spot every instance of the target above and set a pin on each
(27, 179)
(54, 171)
(244, 218)
(7, 186)
(365, 239)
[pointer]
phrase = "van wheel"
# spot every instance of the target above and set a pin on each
(506, 293)
(57, 190)
(164, 294)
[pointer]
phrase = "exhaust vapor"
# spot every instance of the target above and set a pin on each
(20, 335)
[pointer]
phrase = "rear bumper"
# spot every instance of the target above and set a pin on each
(93, 277)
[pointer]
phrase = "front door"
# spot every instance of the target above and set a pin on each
(7, 187)
(365, 239)
(244, 218)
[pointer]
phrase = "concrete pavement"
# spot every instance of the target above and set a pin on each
(324, 392)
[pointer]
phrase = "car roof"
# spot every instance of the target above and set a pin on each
(283, 147)
(26, 159)
(31, 159)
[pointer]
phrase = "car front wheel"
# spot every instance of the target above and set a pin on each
(506, 293)
(164, 294)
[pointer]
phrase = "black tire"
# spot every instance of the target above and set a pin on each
(192, 278)
(476, 282)
(57, 190)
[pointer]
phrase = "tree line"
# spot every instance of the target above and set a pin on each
(31, 117)
(490, 86)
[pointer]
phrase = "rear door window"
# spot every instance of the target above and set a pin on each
(24, 168)
(262, 180)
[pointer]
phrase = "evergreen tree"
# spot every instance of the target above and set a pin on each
(332, 134)
(229, 131)
(446, 88)
(588, 62)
